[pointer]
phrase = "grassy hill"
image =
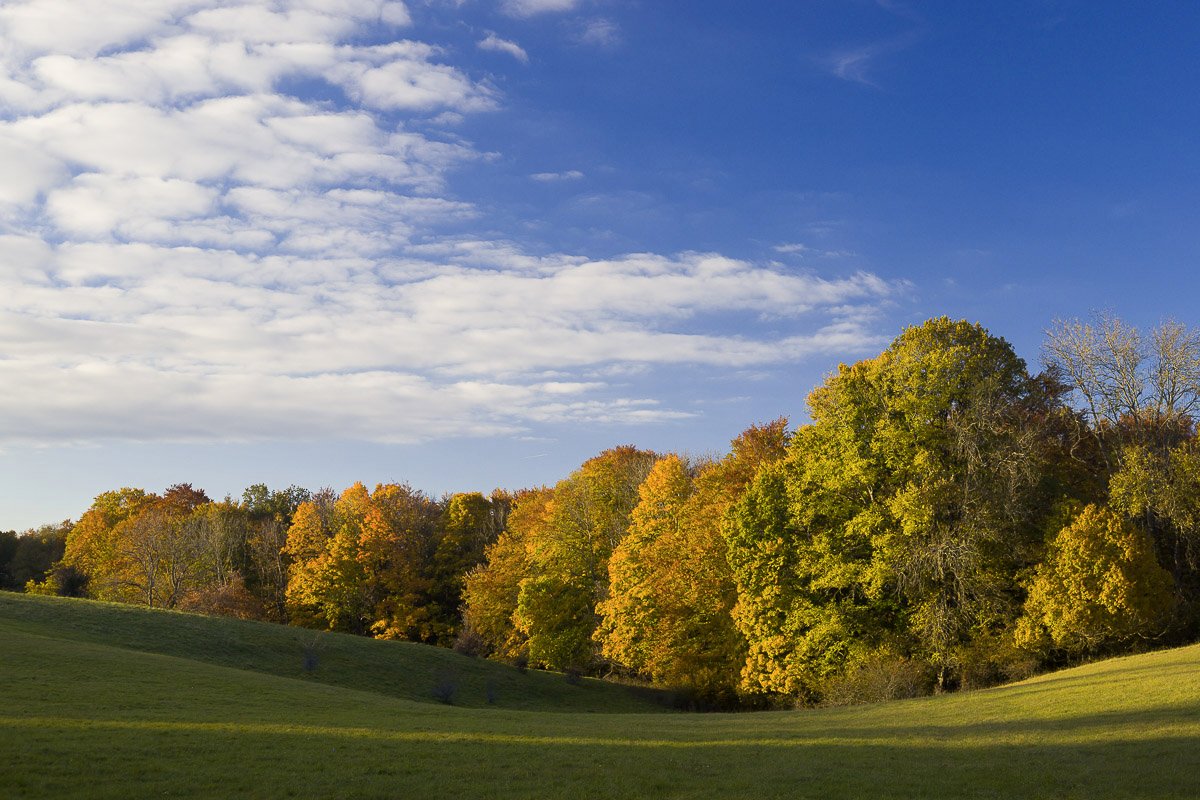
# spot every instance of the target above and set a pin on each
(396, 669)
(213, 708)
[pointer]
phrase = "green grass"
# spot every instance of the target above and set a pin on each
(88, 711)
(397, 669)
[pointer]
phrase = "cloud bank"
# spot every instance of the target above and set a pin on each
(221, 221)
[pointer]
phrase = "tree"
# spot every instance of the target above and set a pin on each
(1161, 492)
(93, 547)
(1134, 390)
(633, 609)
(8, 548)
(366, 565)
(470, 523)
(307, 550)
(158, 548)
(491, 590)
(328, 584)
(31, 556)
(265, 566)
(396, 548)
(586, 519)
(1140, 395)
(1099, 587)
(669, 612)
(903, 513)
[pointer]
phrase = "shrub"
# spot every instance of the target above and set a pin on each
(878, 678)
(445, 686)
(229, 599)
(310, 649)
(469, 643)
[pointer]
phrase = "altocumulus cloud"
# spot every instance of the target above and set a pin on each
(189, 252)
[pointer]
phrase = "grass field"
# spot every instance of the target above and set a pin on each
(107, 701)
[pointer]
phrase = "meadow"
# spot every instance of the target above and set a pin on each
(112, 701)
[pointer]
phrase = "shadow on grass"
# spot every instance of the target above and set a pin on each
(264, 760)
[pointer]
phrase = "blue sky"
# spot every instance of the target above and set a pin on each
(470, 244)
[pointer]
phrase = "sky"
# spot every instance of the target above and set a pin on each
(468, 244)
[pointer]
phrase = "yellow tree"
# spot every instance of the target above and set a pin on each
(92, 546)
(395, 552)
(491, 590)
(640, 578)
(1099, 587)
(586, 519)
(307, 550)
(161, 552)
(669, 612)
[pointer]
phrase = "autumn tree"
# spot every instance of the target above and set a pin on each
(903, 513)
(1140, 394)
(491, 590)
(585, 520)
(327, 585)
(94, 547)
(669, 612)
(398, 539)
(158, 548)
(1099, 587)
(631, 612)
(365, 565)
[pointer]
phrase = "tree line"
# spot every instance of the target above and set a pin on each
(946, 519)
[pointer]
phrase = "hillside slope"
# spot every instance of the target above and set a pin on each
(87, 719)
(397, 669)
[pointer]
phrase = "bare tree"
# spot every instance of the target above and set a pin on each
(1133, 389)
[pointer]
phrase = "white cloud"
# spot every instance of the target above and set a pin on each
(553, 177)
(190, 253)
(803, 250)
(857, 64)
(28, 171)
(852, 65)
(529, 8)
(600, 32)
(495, 44)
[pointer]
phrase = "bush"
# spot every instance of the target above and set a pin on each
(62, 581)
(229, 599)
(879, 678)
(445, 686)
(992, 660)
(310, 649)
(470, 644)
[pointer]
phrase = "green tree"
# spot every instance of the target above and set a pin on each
(903, 513)
(1140, 394)
(31, 556)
